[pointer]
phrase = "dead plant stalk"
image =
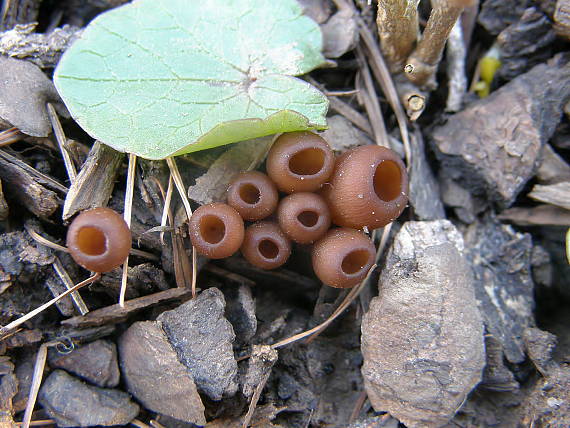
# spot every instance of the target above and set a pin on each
(422, 63)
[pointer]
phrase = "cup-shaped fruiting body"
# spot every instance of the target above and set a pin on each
(304, 217)
(300, 162)
(99, 239)
(265, 245)
(216, 230)
(343, 257)
(253, 195)
(369, 187)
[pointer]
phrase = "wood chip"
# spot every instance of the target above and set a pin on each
(116, 313)
(95, 181)
(542, 215)
(23, 187)
(554, 194)
(552, 169)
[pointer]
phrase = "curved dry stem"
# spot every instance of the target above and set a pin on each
(14, 324)
(353, 294)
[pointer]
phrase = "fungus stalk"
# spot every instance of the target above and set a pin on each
(423, 62)
(397, 22)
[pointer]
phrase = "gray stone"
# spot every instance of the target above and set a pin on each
(539, 345)
(72, 403)
(497, 376)
(340, 33)
(525, 43)
(422, 338)
(95, 362)
(500, 258)
(493, 146)
(25, 92)
(154, 375)
(240, 311)
(496, 15)
(463, 203)
(424, 189)
(203, 339)
(342, 135)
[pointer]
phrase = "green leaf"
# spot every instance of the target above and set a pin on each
(159, 78)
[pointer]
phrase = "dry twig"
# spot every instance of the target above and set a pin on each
(422, 63)
(397, 22)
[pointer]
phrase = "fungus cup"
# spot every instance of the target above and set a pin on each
(304, 217)
(300, 162)
(343, 257)
(253, 195)
(99, 239)
(265, 245)
(369, 187)
(216, 230)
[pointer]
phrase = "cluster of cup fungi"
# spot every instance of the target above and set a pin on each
(365, 187)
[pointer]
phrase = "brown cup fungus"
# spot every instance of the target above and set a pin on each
(265, 245)
(303, 217)
(253, 195)
(216, 230)
(369, 187)
(99, 239)
(300, 162)
(343, 257)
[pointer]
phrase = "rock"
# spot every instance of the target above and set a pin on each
(203, 339)
(424, 189)
(8, 389)
(464, 204)
(541, 263)
(24, 373)
(95, 362)
(73, 403)
(562, 18)
(340, 33)
(154, 375)
(497, 376)
(25, 92)
(383, 421)
(422, 338)
(240, 311)
(342, 135)
(503, 284)
(492, 147)
(496, 15)
(259, 366)
(539, 345)
(318, 10)
(525, 43)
